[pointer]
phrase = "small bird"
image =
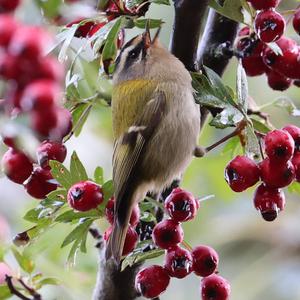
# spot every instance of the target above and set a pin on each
(156, 123)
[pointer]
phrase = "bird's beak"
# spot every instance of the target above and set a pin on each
(147, 36)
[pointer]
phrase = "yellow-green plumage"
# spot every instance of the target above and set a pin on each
(125, 107)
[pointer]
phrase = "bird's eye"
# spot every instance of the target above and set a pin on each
(133, 54)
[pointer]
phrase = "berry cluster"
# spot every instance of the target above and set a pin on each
(259, 58)
(180, 262)
(32, 88)
(279, 169)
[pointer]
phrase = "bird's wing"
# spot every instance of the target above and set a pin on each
(129, 146)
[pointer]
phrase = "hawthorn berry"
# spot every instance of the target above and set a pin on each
(49, 68)
(152, 281)
(16, 165)
(8, 5)
(264, 4)
(85, 195)
(205, 260)
(269, 25)
(215, 287)
(269, 201)
(294, 131)
(178, 262)
(63, 124)
(279, 145)
(40, 95)
(277, 81)
(40, 183)
(277, 175)
(296, 21)
(181, 205)
(296, 164)
(241, 173)
(288, 63)
(8, 26)
(131, 239)
(167, 233)
(110, 213)
(50, 150)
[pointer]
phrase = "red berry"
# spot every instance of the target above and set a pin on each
(40, 95)
(269, 201)
(8, 5)
(277, 81)
(296, 21)
(50, 150)
(252, 61)
(279, 145)
(110, 213)
(167, 233)
(215, 287)
(245, 31)
(16, 165)
(40, 183)
(241, 173)
(296, 164)
(8, 26)
(288, 63)
(43, 122)
(277, 175)
(29, 42)
(294, 131)
(85, 195)
(152, 281)
(130, 240)
(269, 25)
(8, 66)
(178, 262)
(264, 4)
(112, 8)
(50, 68)
(4, 268)
(181, 205)
(205, 260)
(63, 125)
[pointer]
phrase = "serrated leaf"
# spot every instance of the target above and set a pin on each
(24, 262)
(110, 48)
(77, 233)
(252, 147)
(231, 9)
(228, 117)
(139, 256)
(61, 174)
(77, 170)
(98, 175)
(153, 23)
(55, 198)
(242, 88)
(71, 215)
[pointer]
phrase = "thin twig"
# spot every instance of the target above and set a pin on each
(13, 290)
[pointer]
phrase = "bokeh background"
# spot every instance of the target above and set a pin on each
(261, 260)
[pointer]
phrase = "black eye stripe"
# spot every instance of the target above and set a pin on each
(133, 55)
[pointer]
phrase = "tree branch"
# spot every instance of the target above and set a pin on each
(189, 15)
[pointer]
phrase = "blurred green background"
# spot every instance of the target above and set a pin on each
(261, 260)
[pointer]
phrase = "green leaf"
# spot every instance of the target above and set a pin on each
(108, 190)
(110, 47)
(79, 117)
(49, 281)
(147, 217)
(71, 215)
(228, 117)
(24, 262)
(260, 126)
(232, 9)
(133, 3)
(164, 2)
(153, 23)
(252, 147)
(242, 88)
(98, 175)
(77, 233)
(65, 37)
(4, 292)
(77, 170)
(294, 188)
(232, 147)
(140, 256)
(55, 198)
(61, 174)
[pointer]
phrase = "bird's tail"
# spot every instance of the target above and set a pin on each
(123, 210)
